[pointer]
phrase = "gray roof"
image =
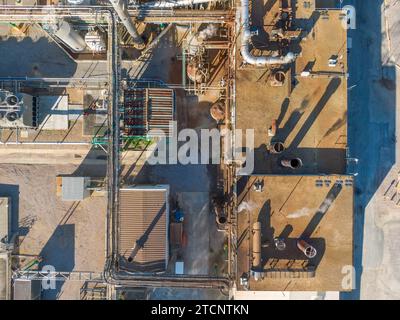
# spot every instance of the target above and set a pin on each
(74, 188)
(5, 205)
(26, 289)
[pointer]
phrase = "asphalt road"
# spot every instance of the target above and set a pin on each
(372, 140)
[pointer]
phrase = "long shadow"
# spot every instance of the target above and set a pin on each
(371, 118)
(291, 254)
(284, 109)
(89, 168)
(141, 242)
(39, 58)
(59, 252)
(315, 161)
(329, 91)
(264, 217)
(322, 210)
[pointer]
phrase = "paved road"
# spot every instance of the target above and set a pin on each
(372, 139)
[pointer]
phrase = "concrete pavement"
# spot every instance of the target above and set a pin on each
(372, 139)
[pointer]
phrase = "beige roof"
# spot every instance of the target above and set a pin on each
(143, 218)
(316, 208)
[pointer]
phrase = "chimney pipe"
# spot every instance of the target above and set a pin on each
(295, 163)
(120, 7)
(308, 250)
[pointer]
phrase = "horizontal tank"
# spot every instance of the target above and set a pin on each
(70, 37)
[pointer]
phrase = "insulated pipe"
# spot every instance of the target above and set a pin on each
(121, 9)
(257, 246)
(246, 35)
(173, 4)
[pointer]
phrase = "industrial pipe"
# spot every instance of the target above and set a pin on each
(246, 35)
(173, 4)
(256, 269)
(257, 245)
(122, 11)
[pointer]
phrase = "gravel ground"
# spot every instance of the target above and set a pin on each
(68, 235)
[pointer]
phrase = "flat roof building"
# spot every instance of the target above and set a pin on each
(75, 188)
(309, 106)
(143, 228)
(295, 211)
(315, 209)
(5, 219)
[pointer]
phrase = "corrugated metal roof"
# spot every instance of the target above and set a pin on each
(143, 219)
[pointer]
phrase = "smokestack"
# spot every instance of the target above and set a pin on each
(280, 244)
(120, 7)
(292, 163)
(276, 147)
(308, 250)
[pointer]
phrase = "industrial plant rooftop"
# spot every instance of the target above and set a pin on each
(105, 111)
(309, 105)
(316, 208)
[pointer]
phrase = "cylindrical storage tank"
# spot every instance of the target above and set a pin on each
(295, 163)
(308, 250)
(257, 246)
(194, 73)
(217, 111)
(12, 100)
(70, 37)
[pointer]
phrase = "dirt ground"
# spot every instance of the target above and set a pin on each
(67, 235)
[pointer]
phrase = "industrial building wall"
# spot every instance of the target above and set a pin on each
(4, 277)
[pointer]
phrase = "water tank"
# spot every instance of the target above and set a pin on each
(70, 37)
(217, 111)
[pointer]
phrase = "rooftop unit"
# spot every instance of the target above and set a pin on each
(75, 188)
(17, 110)
(27, 289)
